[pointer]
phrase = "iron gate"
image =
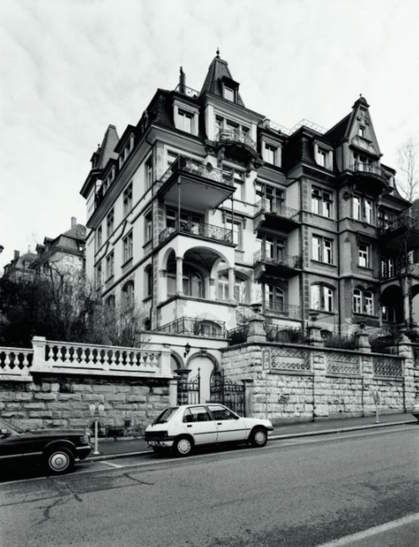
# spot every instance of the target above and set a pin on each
(188, 392)
(225, 391)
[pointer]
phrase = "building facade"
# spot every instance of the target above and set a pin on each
(205, 211)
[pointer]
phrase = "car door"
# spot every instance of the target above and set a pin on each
(198, 422)
(230, 427)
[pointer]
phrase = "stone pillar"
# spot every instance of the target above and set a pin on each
(231, 280)
(320, 385)
(362, 340)
(368, 388)
(256, 332)
(179, 275)
(39, 345)
(408, 364)
(250, 396)
(165, 369)
(173, 392)
(315, 332)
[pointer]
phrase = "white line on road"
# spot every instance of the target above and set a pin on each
(346, 540)
(111, 464)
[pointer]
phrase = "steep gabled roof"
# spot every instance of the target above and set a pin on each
(337, 133)
(217, 71)
(106, 149)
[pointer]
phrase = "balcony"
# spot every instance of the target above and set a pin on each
(369, 174)
(238, 145)
(193, 326)
(194, 185)
(401, 230)
(273, 215)
(201, 231)
(281, 267)
(287, 311)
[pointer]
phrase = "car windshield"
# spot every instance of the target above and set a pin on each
(9, 426)
(165, 415)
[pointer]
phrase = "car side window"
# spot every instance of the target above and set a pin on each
(196, 414)
(220, 413)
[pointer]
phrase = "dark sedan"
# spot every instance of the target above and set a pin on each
(57, 449)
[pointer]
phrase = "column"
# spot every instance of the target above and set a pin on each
(179, 275)
(406, 352)
(231, 280)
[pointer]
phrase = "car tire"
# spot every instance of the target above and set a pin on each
(258, 437)
(183, 446)
(59, 460)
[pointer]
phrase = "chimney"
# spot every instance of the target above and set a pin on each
(182, 81)
(73, 222)
(16, 255)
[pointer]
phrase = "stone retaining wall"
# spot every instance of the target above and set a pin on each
(63, 401)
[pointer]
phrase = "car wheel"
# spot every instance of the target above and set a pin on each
(259, 437)
(59, 460)
(183, 446)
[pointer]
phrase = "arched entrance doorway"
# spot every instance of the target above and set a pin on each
(392, 304)
(204, 364)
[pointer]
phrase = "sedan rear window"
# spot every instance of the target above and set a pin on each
(165, 415)
(196, 414)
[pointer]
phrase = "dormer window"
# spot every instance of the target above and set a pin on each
(271, 154)
(186, 118)
(323, 156)
(229, 94)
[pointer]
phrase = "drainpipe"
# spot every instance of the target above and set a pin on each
(339, 267)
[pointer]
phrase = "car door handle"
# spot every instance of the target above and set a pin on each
(189, 425)
(219, 423)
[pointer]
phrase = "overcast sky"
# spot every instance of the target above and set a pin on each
(69, 68)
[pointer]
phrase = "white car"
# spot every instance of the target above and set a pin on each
(181, 428)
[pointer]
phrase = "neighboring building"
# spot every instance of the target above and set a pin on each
(205, 209)
(63, 254)
(20, 267)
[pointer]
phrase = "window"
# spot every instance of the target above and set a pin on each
(127, 244)
(363, 209)
(361, 131)
(109, 224)
(149, 172)
(237, 177)
(196, 414)
(363, 302)
(148, 227)
(193, 284)
(223, 292)
(127, 198)
(321, 157)
(322, 298)
(240, 289)
(271, 154)
(364, 255)
(275, 298)
(274, 250)
(229, 94)
(185, 120)
(109, 265)
(321, 202)
(389, 314)
(322, 249)
(99, 238)
(128, 296)
(219, 412)
(236, 227)
(387, 267)
(148, 273)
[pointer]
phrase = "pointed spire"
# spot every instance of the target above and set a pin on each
(106, 149)
(218, 74)
(218, 53)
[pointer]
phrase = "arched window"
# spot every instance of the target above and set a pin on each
(148, 275)
(110, 308)
(322, 297)
(222, 290)
(128, 295)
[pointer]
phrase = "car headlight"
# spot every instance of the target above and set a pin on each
(85, 439)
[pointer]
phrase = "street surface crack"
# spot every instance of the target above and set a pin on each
(138, 480)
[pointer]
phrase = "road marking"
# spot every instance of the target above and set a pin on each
(111, 464)
(375, 530)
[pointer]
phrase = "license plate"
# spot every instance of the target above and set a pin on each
(153, 443)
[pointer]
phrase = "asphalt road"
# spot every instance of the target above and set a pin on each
(296, 493)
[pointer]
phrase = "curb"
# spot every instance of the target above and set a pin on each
(103, 457)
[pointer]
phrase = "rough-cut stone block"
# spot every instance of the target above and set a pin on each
(93, 397)
(23, 396)
(45, 396)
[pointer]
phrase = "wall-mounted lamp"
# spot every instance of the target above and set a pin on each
(187, 350)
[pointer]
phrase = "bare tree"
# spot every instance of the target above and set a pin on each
(409, 169)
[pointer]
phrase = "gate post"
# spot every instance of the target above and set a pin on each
(249, 389)
(182, 387)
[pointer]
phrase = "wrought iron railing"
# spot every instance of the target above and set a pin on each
(290, 311)
(207, 231)
(403, 221)
(188, 91)
(194, 167)
(195, 326)
(294, 261)
(361, 167)
(277, 207)
(235, 135)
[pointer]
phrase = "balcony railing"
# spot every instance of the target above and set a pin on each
(360, 167)
(403, 221)
(289, 261)
(194, 167)
(289, 311)
(235, 135)
(196, 327)
(277, 207)
(207, 231)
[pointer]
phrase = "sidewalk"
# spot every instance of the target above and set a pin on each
(110, 448)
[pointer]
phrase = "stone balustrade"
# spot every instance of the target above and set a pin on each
(15, 363)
